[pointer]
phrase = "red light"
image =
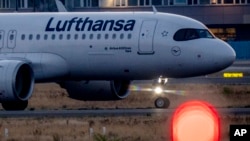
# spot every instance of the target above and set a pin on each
(195, 121)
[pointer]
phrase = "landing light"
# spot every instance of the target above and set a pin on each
(158, 90)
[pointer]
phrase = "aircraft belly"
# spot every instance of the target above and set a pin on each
(103, 65)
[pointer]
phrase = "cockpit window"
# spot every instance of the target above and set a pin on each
(191, 34)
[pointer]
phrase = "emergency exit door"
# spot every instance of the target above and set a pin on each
(146, 45)
(12, 39)
(1, 39)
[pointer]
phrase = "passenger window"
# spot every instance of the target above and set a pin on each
(121, 36)
(30, 37)
(106, 36)
(45, 37)
(129, 36)
(76, 36)
(98, 36)
(83, 36)
(38, 36)
(91, 36)
(60, 36)
(68, 36)
(114, 36)
(53, 36)
(23, 37)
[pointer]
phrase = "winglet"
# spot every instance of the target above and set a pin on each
(60, 6)
(154, 9)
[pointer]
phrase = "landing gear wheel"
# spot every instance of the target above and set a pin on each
(14, 105)
(162, 102)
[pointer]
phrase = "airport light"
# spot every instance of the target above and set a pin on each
(233, 75)
(195, 121)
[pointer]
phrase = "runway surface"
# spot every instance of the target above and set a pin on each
(109, 112)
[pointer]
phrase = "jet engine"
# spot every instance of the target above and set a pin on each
(97, 90)
(16, 84)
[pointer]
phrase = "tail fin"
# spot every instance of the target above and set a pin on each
(60, 6)
(154, 9)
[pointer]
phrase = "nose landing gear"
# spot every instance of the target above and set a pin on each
(162, 101)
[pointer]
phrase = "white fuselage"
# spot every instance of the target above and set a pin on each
(109, 46)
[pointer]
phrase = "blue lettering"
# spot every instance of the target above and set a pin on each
(58, 28)
(87, 24)
(48, 28)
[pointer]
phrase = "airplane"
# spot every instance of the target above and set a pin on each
(102, 50)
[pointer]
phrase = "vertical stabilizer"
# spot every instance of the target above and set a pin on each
(154, 9)
(60, 6)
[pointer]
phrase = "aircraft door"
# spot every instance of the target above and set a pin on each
(1, 39)
(12, 39)
(147, 37)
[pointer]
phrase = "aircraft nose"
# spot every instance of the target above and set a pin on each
(226, 55)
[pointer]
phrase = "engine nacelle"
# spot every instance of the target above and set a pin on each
(16, 80)
(97, 90)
